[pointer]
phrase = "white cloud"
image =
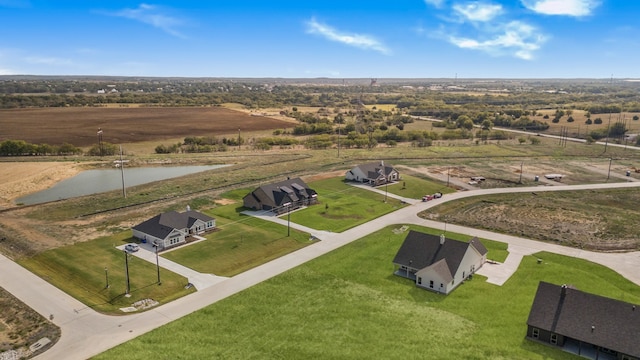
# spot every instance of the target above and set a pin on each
(516, 39)
(478, 11)
(356, 40)
(152, 15)
(7, 72)
(577, 8)
(436, 3)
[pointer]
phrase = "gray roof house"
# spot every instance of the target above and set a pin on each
(586, 324)
(281, 196)
(436, 263)
(172, 228)
(373, 173)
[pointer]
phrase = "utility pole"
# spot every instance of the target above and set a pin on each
(124, 191)
(157, 264)
(520, 181)
(106, 276)
(126, 268)
(238, 139)
(609, 172)
(100, 148)
(338, 141)
(606, 142)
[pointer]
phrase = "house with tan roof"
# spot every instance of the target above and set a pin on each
(436, 263)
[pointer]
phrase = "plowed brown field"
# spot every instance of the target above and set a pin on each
(79, 125)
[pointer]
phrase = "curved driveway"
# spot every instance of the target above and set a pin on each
(86, 333)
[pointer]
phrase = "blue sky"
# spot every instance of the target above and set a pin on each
(311, 38)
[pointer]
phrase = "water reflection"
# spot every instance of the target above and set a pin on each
(97, 181)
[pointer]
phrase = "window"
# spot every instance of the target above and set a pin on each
(535, 333)
(554, 339)
(431, 284)
(419, 281)
(441, 284)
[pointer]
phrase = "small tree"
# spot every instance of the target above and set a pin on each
(597, 121)
(534, 140)
(588, 122)
(570, 119)
(635, 117)
(522, 140)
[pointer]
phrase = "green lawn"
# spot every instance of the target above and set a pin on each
(343, 206)
(415, 188)
(349, 305)
(79, 270)
(240, 243)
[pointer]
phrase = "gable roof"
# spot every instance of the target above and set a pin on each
(376, 169)
(162, 225)
(282, 192)
(420, 250)
(586, 317)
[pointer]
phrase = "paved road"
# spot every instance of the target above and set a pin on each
(87, 333)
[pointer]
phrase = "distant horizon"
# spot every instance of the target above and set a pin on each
(356, 39)
(453, 78)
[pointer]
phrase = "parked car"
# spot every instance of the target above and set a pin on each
(437, 195)
(132, 247)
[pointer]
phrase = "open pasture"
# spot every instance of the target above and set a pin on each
(79, 125)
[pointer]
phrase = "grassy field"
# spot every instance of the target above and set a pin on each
(79, 270)
(342, 206)
(240, 243)
(601, 220)
(349, 305)
(414, 187)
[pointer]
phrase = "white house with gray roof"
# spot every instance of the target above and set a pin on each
(373, 173)
(436, 263)
(173, 228)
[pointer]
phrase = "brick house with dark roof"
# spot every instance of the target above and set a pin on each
(275, 197)
(436, 263)
(172, 228)
(589, 325)
(373, 173)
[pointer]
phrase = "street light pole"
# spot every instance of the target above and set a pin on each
(126, 268)
(106, 277)
(609, 172)
(158, 264)
(288, 207)
(289, 220)
(386, 184)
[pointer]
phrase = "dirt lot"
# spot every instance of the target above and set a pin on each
(20, 326)
(79, 125)
(21, 178)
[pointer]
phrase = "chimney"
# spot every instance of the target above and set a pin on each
(442, 238)
(382, 163)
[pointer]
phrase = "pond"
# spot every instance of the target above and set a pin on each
(96, 181)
